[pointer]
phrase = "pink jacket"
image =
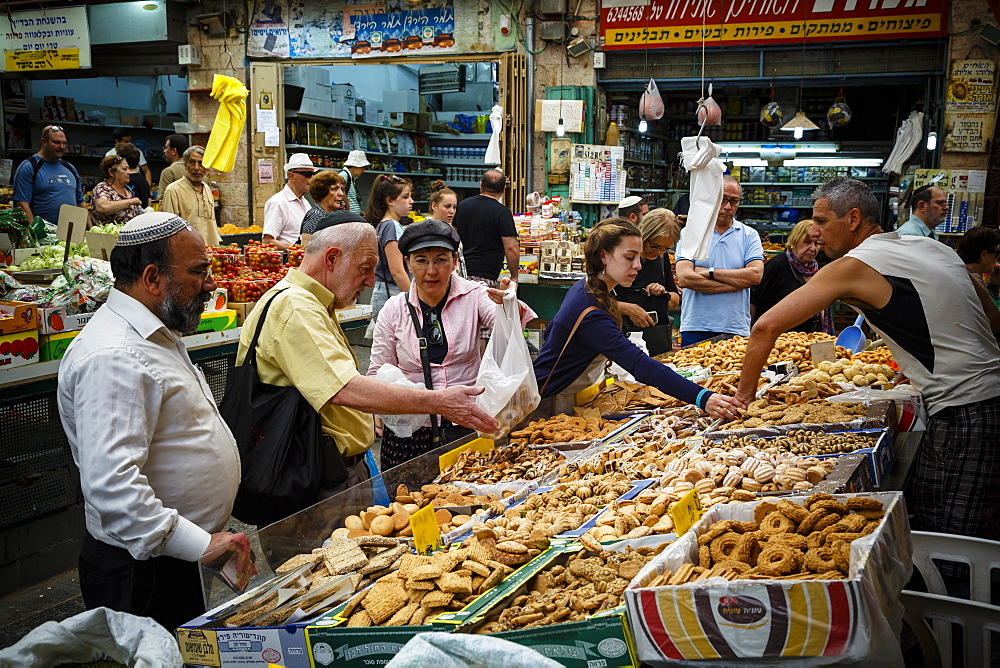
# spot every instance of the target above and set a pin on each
(467, 308)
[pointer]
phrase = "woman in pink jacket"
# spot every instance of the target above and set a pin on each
(449, 311)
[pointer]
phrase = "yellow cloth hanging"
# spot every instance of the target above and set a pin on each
(220, 153)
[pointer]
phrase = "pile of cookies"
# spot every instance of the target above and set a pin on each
(785, 541)
(364, 559)
(638, 463)
(880, 355)
(442, 496)
(564, 428)
(394, 521)
(504, 464)
(648, 513)
(677, 423)
(799, 442)
(801, 389)
(624, 396)
(426, 586)
(585, 585)
(768, 411)
(739, 474)
(727, 355)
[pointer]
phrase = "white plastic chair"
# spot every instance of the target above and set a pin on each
(982, 557)
(976, 619)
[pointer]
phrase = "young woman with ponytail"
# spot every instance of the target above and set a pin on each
(391, 199)
(587, 330)
(443, 205)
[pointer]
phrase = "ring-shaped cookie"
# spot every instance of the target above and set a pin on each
(792, 510)
(777, 522)
(821, 559)
(808, 525)
(724, 546)
(831, 505)
(777, 559)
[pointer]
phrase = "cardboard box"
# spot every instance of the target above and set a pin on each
(9, 256)
(217, 321)
(316, 107)
(202, 645)
(772, 618)
(372, 114)
(424, 121)
(18, 349)
(343, 110)
(57, 320)
(343, 94)
(53, 346)
(402, 120)
(16, 317)
(358, 647)
(401, 100)
(242, 309)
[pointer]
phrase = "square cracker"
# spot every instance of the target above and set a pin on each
(361, 618)
(476, 567)
(426, 572)
(420, 585)
(452, 583)
(381, 605)
(297, 561)
(402, 618)
(436, 599)
(408, 562)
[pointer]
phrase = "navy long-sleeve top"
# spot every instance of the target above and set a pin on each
(599, 335)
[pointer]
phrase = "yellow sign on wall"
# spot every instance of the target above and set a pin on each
(45, 59)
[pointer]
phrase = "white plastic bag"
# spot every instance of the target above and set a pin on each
(506, 373)
(651, 104)
(401, 425)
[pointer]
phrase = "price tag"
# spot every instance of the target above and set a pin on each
(686, 512)
(482, 445)
(426, 532)
(823, 351)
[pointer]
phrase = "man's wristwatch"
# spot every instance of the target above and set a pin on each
(711, 274)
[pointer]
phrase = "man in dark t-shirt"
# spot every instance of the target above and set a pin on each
(487, 230)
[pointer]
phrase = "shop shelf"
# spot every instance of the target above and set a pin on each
(343, 121)
(329, 149)
(372, 171)
(482, 136)
(463, 184)
(658, 163)
(622, 128)
(645, 190)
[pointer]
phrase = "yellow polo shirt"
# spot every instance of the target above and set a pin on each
(302, 344)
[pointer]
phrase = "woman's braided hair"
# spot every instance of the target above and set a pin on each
(605, 236)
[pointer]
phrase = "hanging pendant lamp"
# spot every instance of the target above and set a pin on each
(799, 123)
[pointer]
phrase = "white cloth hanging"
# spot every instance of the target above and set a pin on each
(908, 138)
(493, 149)
(701, 160)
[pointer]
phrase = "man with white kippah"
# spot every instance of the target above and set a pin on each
(158, 466)
(634, 208)
(284, 211)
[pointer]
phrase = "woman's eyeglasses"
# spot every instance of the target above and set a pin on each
(658, 248)
(423, 262)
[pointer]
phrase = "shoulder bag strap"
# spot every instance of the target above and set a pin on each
(425, 361)
(576, 325)
(251, 355)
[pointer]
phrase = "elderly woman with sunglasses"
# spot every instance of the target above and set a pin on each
(446, 310)
(113, 200)
(653, 290)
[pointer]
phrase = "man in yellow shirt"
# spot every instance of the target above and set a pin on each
(302, 345)
(191, 197)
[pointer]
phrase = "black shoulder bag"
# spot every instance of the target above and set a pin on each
(279, 438)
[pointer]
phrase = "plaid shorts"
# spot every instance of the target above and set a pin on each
(955, 488)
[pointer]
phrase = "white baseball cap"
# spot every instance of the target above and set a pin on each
(357, 159)
(299, 161)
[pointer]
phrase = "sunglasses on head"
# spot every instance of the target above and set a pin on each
(51, 128)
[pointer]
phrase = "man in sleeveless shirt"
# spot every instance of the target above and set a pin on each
(941, 327)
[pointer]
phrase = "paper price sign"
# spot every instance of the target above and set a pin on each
(686, 512)
(426, 532)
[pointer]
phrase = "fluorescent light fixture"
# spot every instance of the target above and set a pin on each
(931, 141)
(150, 6)
(798, 147)
(748, 162)
(834, 162)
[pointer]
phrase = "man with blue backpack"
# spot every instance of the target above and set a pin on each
(45, 181)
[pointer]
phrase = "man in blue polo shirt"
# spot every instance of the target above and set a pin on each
(716, 298)
(45, 181)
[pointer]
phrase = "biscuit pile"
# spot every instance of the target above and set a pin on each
(564, 428)
(801, 389)
(624, 396)
(880, 355)
(731, 475)
(786, 541)
(426, 586)
(799, 442)
(511, 462)
(727, 355)
(442, 496)
(767, 411)
(585, 585)
(637, 463)
(365, 559)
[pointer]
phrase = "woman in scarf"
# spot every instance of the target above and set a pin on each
(787, 272)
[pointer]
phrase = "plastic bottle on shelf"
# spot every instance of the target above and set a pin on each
(612, 136)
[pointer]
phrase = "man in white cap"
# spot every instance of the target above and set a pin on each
(158, 466)
(284, 211)
(354, 166)
(634, 208)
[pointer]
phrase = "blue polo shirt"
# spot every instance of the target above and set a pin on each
(727, 311)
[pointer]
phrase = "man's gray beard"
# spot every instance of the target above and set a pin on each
(183, 318)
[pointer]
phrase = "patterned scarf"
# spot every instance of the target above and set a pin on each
(804, 269)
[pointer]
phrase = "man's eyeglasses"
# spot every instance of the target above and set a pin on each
(731, 201)
(939, 202)
(203, 274)
(436, 335)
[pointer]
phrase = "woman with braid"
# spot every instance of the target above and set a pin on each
(587, 330)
